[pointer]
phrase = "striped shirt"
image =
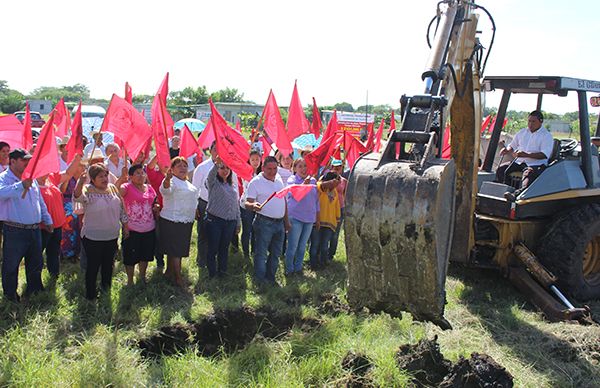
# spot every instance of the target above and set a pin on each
(222, 197)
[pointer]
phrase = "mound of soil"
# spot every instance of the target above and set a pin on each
(429, 368)
(228, 330)
(358, 366)
(480, 370)
(332, 304)
(424, 361)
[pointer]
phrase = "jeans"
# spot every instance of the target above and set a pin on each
(100, 257)
(269, 244)
(51, 243)
(18, 244)
(201, 230)
(320, 241)
(297, 239)
(336, 236)
(247, 235)
(219, 233)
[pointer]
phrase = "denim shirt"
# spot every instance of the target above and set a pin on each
(28, 210)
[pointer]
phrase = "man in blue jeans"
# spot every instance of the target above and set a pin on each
(270, 223)
(25, 214)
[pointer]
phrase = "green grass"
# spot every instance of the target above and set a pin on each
(57, 338)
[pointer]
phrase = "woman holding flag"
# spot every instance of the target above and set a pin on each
(302, 215)
(222, 217)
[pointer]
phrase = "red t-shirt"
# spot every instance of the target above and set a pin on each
(155, 178)
(53, 199)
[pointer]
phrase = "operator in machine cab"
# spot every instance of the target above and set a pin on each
(531, 147)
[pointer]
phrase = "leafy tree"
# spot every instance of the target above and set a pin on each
(11, 101)
(3, 87)
(227, 95)
(142, 99)
(344, 106)
(72, 93)
(182, 102)
(248, 120)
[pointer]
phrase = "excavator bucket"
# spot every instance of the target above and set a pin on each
(398, 230)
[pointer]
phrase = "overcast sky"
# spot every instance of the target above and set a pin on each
(337, 50)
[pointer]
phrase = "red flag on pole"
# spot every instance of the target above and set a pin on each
(127, 124)
(232, 148)
(163, 92)
(274, 127)
(392, 122)
(238, 126)
(446, 149)
(128, 93)
(11, 131)
(207, 136)
(27, 135)
(332, 126)
(371, 137)
(315, 126)
(297, 191)
(297, 123)
(321, 154)
(45, 157)
(62, 119)
(377, 146)
(266, 146)
(75, 144)
(485, 123)
(159, 131)
(189, 145)
(353, 148)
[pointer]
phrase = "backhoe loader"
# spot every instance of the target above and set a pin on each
(409, 212)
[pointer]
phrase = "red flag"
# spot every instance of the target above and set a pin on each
(377, 146)
(485, 123)
(266, 146)
(315, 126)
(238, 126)
(353, 148)
(62, 118)
(232, 148)
(45, 157)
(75, 144)
(392, 122)
(446, 149)
(332, 126)
(274, 127)
(207, 136)
(159, 131)
(189, 145)
(27, 136)
(321, 154)
(297, 123)
(11, 131)
(128, 93)
(504, 122)
(127, 124)
(162, 93)
(297, 191)
(371, 137)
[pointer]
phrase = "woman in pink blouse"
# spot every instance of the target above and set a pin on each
(139, 199)
(104, 215)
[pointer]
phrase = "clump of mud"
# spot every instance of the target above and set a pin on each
(358, 366)
(226, 330)
(332, 304)
(429, 368)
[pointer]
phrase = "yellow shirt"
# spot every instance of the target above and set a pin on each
(330, 212)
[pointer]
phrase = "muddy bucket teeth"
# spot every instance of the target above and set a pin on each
(398, 230)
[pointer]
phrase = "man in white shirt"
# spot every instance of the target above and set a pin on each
(531, 147)
(271, 221)
(96, 138)
(198, 180)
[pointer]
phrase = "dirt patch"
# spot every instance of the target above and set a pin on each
(358, 366)
(332, 304)
(226, 330)
(582, 347)
(428, 368)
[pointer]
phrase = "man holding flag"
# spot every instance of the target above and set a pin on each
(26, 213)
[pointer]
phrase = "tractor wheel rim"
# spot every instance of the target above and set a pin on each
(591, 261)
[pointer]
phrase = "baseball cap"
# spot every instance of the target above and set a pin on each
(19, 153)
(336, 162)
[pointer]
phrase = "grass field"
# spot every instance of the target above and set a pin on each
(57, 338)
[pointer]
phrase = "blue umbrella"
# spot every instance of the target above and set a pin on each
(193, 125)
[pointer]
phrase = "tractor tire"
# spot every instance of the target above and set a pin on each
(570, 249)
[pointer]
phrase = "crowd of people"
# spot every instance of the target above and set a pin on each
(103, 198)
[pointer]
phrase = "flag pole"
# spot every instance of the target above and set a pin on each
(35, 162)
